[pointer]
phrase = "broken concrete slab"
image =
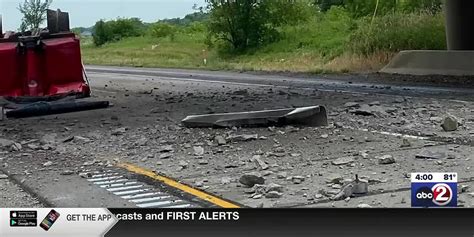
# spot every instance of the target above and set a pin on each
(309, 116)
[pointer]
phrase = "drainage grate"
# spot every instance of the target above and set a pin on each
(139, 193)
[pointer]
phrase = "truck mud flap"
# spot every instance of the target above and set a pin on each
(58, 107)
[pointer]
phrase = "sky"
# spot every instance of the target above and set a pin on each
(86, 12)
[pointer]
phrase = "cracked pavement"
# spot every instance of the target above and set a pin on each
(309, 165)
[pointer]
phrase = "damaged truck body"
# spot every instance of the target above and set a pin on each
(42, 71)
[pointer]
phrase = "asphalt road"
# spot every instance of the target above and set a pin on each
(149, 103)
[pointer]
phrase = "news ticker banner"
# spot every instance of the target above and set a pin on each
(237, 222)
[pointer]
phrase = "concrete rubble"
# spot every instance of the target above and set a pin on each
(255, 160)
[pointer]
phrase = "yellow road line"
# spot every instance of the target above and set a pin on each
(185, 188)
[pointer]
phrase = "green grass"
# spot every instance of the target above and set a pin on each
(330, 42)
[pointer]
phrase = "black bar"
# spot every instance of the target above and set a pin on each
(337, 222)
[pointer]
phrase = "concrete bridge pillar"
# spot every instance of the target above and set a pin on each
(460, 24)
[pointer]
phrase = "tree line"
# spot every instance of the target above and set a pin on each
(237, 25)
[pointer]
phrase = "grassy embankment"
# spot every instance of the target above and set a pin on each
(331, 42)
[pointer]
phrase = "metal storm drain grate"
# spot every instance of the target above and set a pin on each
(141, 194)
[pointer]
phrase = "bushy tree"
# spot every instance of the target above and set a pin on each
(108, 31)
(245, 24)
(34, 13)
(162, 30)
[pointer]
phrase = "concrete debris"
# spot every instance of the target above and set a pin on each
(33, 146)
(257, 196)
(386, 160)
(199, 184)
(357, 187)
(5, 143)
(166, 155)
(338, 125)
(183, 164)
(241, 92)
(258, 189)
(203, 162)
(334, 178)
(88, 163)
(450, 124)
(269, 191)
(251, 180)
(167, 148)
(273, 194)
(260, 163)
(282, 175)
(463, 188)
(242, 137)
(220, 140)
(367, 110)
(405, 143)
(119, 131)
(81, 139)
(49, 138)
(297, 179)
(16, 146)
(343, 160)
(436, 119)
(309, 116)
(274, 188)
(427, 154)
(226, 180)
(198, 150)
(352, 105)
(85, 175)
(67, 172)
(47, 164)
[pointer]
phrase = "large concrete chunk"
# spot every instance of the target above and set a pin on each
(309, 116)
(432, 62)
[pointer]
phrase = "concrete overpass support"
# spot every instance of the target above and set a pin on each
(460, 24)
(458, 60)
